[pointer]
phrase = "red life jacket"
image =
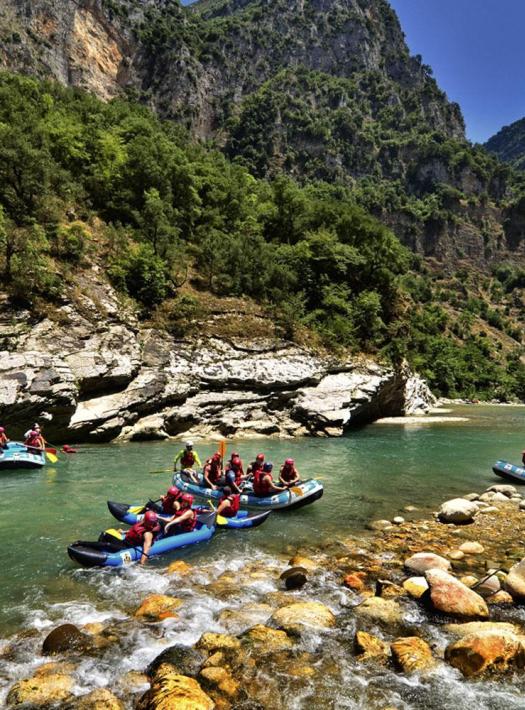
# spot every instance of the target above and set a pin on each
(135, 535)
(235, 504)
(187, 525)
(237, 471)
(261, 485)
(167, 503)
(188, 459)
(213, 470)
(288, 473)
(255, 467)
(34, 441)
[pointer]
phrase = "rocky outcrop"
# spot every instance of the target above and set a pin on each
(96, 375)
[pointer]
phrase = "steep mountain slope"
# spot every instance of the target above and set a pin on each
(509, 144)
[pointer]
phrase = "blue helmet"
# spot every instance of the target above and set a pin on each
(268, 466)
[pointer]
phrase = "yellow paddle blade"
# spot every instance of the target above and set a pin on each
(51, 457)
(114, 533)
(136, 509)
(297, 491)
(221, 520)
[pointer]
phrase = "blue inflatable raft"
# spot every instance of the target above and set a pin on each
(303, 494)
(130, 515)
(19, 456)
(109, 554)
(510, 471)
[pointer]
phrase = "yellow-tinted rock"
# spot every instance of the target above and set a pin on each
(157, 607)
(468, 580)
(500, 598)
(306, 562)
(415, 586)
(132, 681)
(216, 659)
(378, 609)
(94, 628)
(101, 699)
(170, 691)
(456, 555)
(412, 654)
(179, 567)
(41, 691)
(294, 616)
(477, 653)
(237, 620)
(368, 646)
(218, 642)
(53, 668)
(270, 639)
(476, 627)
(220, 679)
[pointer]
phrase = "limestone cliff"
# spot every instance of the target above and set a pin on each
(97, 375)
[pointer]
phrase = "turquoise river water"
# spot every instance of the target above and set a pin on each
(370, 473)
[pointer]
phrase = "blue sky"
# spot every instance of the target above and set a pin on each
(477, 51)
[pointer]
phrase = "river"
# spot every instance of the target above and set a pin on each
(370, 473)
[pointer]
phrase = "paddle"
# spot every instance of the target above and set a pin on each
(51, 457)
(222, 449)
(163, 470)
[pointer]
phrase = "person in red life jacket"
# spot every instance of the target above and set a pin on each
(289, 475)
(255, 466)
(212, 472)
(189, 461)
(185, 518)
(35, 440)
(171, 501)
(3, 438)
(263, 484)
(234, 474)
(143, 533)
(229, 504)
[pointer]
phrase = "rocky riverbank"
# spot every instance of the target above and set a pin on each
(91, 372)
(406, 616)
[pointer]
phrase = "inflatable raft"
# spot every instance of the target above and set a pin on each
(130, 515)
(18, 456)
(303, 494)
(108, 554)
(510, 471)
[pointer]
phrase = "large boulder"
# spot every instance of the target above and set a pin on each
(411, 654)
(64, 638)
(157, 607)
(378, 609)
(458, 511)
(515, 581)
(450, 596)
(294, 617)
(423, 561)
(41, 691)
(484, 651)
(183, 660)
(169, 690)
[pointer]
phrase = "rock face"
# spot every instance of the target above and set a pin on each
(458, 511)
(450, 596)
(100, 376)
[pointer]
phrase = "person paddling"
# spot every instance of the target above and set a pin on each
(35, 441)
(263, 484)
(289, 475)
(212, 472)
(255, 466)
(171, 501)
(189, 461)
(4, 441)
(185, 519)
(234, 474)
(229, 504)
(143, 533)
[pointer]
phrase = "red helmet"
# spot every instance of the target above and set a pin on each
(259, 457)
(2, 429)
(235, 455)
(174, 492)
(216, 457)
(150, 519)
(236, 461)
(33, 433)
(187, 498)
(289, 462)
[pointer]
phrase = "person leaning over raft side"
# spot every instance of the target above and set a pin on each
(35, 441)
(4, 441)
(185, 519)
(189, 461)
(229, 504)
(171, 501)
(255, 466)
(234, 475)
(142, 534)
(212, 472)
(263, 484)
(289, 475)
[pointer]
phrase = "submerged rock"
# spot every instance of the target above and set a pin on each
(449, 596)
(294, 616)
(306, 562)
(66, 637)
(179, 567)
(378, 609)
(484, 651)
(355, 581)
(220, 679)
(100, 699)
(170, 690)
(412, 654)
(369, 647)
(237, 620)
(268, 640)
(217, 642)
(158, 607)
(423, 561)
(458, 511)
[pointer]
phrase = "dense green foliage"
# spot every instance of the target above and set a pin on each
(509, 144)
(83, 183)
